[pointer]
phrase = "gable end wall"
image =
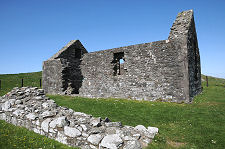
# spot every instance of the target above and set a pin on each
(167, 70)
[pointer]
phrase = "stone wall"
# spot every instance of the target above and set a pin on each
(150, 71)
(194, 67)
(183, 32)
(30, 108)
(61, 73)
(167, 70)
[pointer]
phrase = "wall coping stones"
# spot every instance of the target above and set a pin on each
(30, 108)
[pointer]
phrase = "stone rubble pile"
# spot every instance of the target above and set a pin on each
(30, 108)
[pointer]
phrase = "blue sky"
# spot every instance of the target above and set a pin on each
(31, 31)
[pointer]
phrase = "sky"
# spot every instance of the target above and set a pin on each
(31, 31)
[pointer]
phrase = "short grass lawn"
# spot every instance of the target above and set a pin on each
(197, 125)
(9, 81)
(13, 137)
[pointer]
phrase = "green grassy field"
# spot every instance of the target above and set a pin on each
(12, 137)
(9, 81)
(196, 125)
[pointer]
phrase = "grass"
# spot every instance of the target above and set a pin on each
(9, 81)
(21, 138)
(185, 126)
(18, 137)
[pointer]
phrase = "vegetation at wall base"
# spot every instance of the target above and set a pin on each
(21, 138)
(185, 126)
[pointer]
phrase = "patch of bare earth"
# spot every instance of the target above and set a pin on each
(211, 103)
(175, 144)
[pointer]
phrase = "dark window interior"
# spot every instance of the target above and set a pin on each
(196, 61)
(78, 53)
(118, 60)
(196, 66)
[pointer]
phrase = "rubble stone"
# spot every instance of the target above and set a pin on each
(112, 141)
(43, 116)
(71, 132)
(95, 139)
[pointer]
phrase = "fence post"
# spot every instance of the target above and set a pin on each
(207, 83)
(40, 83)
(22, 83)
(0, 84)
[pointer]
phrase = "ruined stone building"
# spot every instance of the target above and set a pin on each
(168, 70)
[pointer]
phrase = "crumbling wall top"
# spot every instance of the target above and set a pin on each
(181, 25)
(73, 44)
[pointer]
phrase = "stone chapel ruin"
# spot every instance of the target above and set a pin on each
(168, 70)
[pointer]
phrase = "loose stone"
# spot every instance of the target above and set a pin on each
(43, 116)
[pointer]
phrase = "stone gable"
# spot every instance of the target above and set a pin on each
(167, 70)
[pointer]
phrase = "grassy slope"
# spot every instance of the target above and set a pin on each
(18, 137)
(197, 125)
(21, 138)
(8, 81)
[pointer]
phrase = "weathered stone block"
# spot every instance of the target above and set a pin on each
(71, 132)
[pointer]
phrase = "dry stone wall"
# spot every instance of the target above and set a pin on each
(30, 108)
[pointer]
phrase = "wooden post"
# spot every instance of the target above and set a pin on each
(22, 83)
(207, 83)
(40, 83)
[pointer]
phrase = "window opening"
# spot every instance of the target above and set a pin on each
(196, 62)
(118, 61)
(121, 61)
(78, 53)
(196, 66)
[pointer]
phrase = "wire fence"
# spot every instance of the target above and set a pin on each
(20, 83)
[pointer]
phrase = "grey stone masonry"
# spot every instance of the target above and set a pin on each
(30, 108)
(167, 70)
(62, 73)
